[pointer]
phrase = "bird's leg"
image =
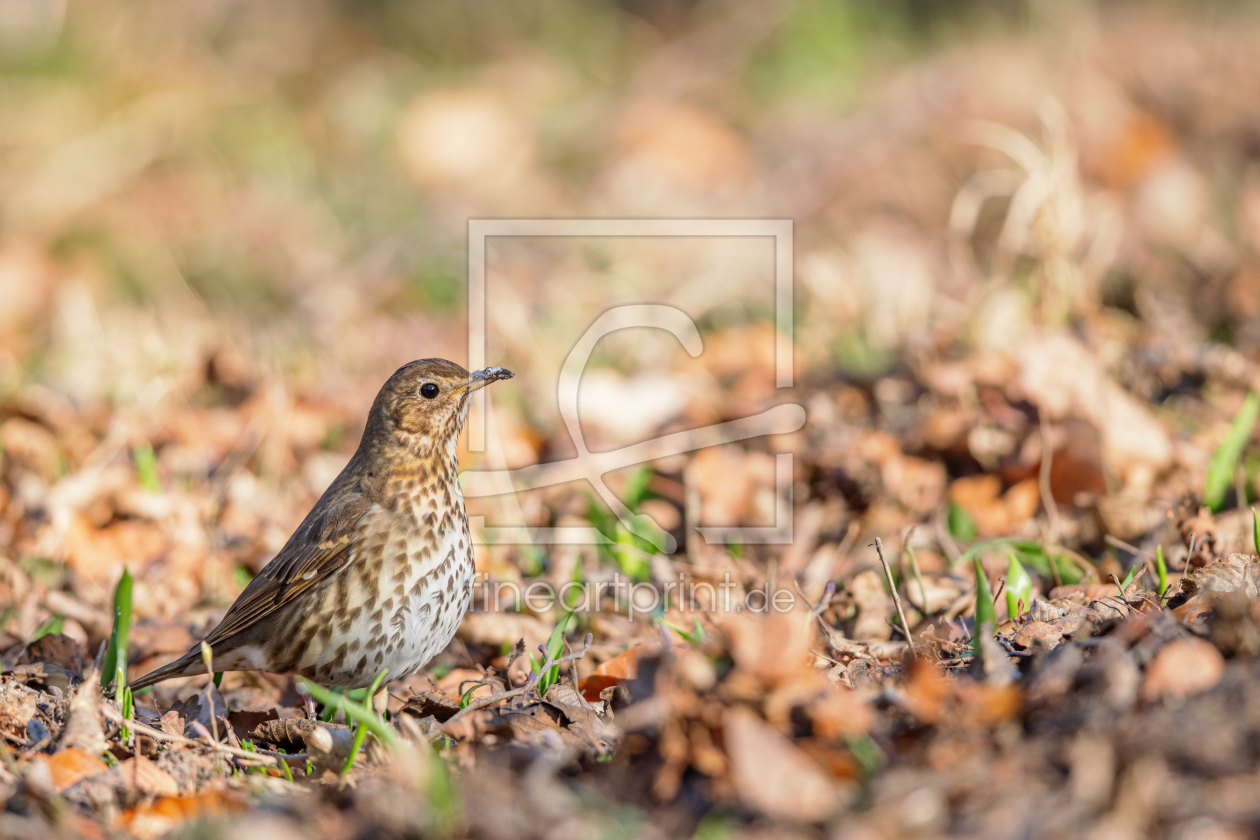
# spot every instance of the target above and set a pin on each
(530, 683)
(308, 702)
(380, 700)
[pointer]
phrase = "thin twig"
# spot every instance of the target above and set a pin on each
(829, 592)
(820, 609)
(576, 690)
(530, 683)
(116, 716)
(879, 549)
(1121, 544)
(914, 567)
(1189, 554)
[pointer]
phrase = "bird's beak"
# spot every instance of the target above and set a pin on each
(481, 378)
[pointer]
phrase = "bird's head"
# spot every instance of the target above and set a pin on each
(423, 405)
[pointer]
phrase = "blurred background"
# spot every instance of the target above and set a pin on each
(223, 224)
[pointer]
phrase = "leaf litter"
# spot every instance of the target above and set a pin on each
(1024, 595)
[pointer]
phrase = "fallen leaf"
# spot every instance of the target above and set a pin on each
(616, 671)
(151, 820)
(873, 606)
(1037, 634)
(147, 777)
(1182, 668)
(772, 775)
(72, 764)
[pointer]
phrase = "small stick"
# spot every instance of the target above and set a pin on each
(914, 567)
(576, 690)
(159, 735)
(821, 608)
(1121, 544)
(530, 683)
(829, 592)
(1186, 565)
(879, 549)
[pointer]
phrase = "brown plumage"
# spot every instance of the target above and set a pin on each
(380, 572)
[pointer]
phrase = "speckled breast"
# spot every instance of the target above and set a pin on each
(399, 603)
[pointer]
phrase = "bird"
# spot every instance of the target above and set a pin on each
(380, 573)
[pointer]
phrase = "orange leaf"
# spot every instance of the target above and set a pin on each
(152, 820)
(594, 684)
(148, 777)
(620, 669)
(624, 666)
(71, 765)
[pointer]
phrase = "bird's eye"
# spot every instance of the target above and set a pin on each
(428, 390)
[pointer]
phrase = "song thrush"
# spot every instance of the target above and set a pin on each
(380, 572)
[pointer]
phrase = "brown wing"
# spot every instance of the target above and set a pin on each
(324, 543)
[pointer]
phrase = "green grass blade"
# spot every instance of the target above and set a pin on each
(361, 731)
(1220, 471)
(114, 663)
(467, 698)
(1128, 579)
(52, 626)
(961, 526)
(1161, 569)
(1255, 531)
(1018, 587)
(145, 461)
(555, 646)
(128, 704)
(985, 614)
(356, 712)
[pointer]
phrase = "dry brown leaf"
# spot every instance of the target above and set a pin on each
(70, 765)
(616, 671)
(83, 729)
(495, 628)
(1063, 378)
(101, 553)
(147, 777)
(151, 820)
(772, 775)
(873, 606)
(995, 512)
(1182, 668)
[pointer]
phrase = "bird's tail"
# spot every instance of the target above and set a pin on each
(188, 665)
